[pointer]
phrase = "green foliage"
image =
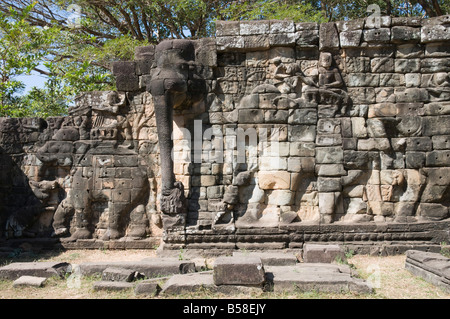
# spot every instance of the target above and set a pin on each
(298, 11)
(21, 50)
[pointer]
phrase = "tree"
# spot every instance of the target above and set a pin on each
(22, 48)
(306, 11)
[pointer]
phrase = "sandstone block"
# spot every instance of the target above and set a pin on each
(349, 39)
(404, 34)
(118, 274)
(29, 281)
(382, 35)
(274, 180)
(434, 33)
(314, 253)
(432, 211)
(329, 37)
(280, 197)
(247, 271)
(329, 155)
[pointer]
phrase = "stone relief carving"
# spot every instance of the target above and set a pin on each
(348, 131)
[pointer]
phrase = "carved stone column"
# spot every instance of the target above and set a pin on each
(169, 88)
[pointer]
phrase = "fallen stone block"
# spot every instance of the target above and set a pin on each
(150, 287)
(118, 274)
(29, 281)
(247, 271)
(112, 285)
(314, 253)
(315, 277)
(432, 267)
(188, 283)
(37, 269)
(149, 268)
(270, 258)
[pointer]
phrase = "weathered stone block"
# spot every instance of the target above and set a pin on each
(254, 27)
(415, 160)
(149, 287)
(315, 253)
(438, 158)
(356, 159)
(257, 42)
(229, 43)
(349, 39)
(329, 37)
(407, 65)
(434, 33)
(404, 34)
(29, 281)
(330, 170)
(247, 271)
(392, 79)
(407, 21)
(433, 65)
(303, 116)
(363, 79)
(301, 149)
(410, 109)
(112, 285)
(36, 269)
(251, 116)
(382, 109)
(276, 116)
(420, 144)
(307, 38)
(411, 95)
(280, 197)
(274, 180)
(432, 211)
(381, 65)
(441, 142)
(382, 35)
(227, 28)
(118, 274)
(328, 184)
(362, 95)
(372, 144)
(329, 155)
(329, 140)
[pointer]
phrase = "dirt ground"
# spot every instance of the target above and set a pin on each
(386, 274)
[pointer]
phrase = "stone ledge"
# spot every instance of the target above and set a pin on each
(36, 269)
(432, 267)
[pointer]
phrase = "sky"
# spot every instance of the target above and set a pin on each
(34, 79)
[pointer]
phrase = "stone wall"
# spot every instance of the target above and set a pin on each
(288, 133)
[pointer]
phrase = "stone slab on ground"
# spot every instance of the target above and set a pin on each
(112, 285)
(37, 269)
(318, 253)
(238, 271)
(187, 283)
(318, 277)
(150, 268)
(29, 281)
(118, 274)
(270, 258)
(150, 287)
(432, 267)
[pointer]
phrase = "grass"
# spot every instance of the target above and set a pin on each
(387, 274)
